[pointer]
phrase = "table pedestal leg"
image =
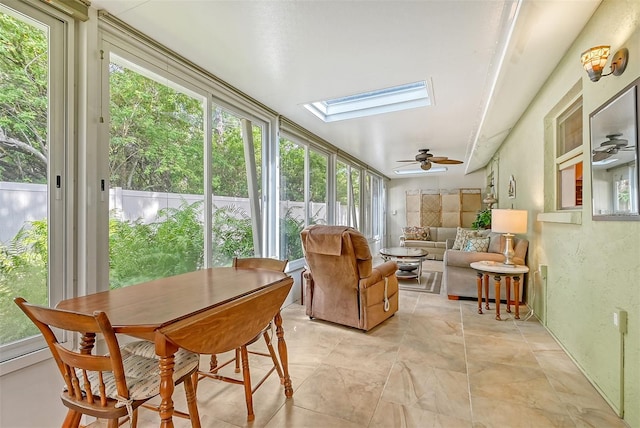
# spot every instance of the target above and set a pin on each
(479, 284)
(284, 359)
(497, 286)
(516, 292)
(507, 281)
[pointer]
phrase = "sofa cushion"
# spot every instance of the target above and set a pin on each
(416, 233)
(476, 244)
(461, 237)
(496, 242)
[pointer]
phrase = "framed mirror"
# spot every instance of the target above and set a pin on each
(614, 157)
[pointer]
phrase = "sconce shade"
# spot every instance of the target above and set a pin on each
(508, 221)
(593, 60)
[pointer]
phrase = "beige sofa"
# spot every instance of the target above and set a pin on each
(460, 280)
(433, 239)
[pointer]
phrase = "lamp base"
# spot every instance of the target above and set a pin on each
(508, 250)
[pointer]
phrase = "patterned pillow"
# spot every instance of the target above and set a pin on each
(461, 237)
(416, 233)
(480, 245)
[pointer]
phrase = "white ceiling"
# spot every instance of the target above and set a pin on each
(287, 53)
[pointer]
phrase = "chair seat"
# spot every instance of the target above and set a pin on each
(141, 371)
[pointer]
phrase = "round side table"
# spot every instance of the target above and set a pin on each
(498, 270)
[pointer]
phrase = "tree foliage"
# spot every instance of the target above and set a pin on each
(156, 141)
(23, 102)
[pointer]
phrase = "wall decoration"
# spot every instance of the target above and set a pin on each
(511, 191)
(614, 157)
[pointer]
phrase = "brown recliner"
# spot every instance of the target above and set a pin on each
(341, 284)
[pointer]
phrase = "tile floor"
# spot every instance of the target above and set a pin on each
(436, 363)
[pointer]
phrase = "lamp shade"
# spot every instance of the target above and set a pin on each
(593, 60)
(508, 221)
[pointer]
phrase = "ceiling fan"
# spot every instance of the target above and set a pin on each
(611, 146)
(426, 159)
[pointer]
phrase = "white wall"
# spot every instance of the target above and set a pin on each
(30, 398)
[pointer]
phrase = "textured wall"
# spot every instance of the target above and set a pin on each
(594, 267)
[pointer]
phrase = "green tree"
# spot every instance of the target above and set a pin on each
(23, 102)
(157, 140)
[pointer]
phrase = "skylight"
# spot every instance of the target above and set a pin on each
(403, 97)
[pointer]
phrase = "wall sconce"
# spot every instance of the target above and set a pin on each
(594, 59)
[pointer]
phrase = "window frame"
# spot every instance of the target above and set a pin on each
(60, 200)
(570, 157)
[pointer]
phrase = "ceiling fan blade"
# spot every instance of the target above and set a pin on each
(437, 158)
(407, 160)
(426, 166)
(599, 156)
(448, 162)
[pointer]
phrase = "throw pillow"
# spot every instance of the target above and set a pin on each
(480, 245)
(461, 237)
(416, 233)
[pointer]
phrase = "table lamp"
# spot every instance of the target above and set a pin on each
(508, 222)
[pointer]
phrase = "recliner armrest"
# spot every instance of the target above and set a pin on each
(378, 273)
(387, 268)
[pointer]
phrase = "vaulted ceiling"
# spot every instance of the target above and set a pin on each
(484, 59)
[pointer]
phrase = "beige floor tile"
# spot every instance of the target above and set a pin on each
(363, 352)
(291, 415)
(400, 416)
(502, 351)
(495, 413)
(342, 393)
(506, 383)
(445, 352)
(440, 391)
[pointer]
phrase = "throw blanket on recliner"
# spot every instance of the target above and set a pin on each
(325, 240)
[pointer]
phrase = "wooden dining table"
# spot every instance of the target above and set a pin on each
(142, 310)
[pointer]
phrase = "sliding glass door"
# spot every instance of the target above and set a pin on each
(33, 173)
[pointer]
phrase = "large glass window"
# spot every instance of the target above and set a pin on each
(347, 195)
(235, 186)
(33, 175)
(156, 163)
(342, 193)
(292, 207)
(317, 206)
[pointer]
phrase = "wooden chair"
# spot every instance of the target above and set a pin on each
(113, 385)
(241, 352)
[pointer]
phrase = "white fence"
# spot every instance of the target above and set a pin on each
(23, 202)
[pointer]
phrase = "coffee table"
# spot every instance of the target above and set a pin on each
(409, 260)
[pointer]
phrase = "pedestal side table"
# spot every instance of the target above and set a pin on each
(498, 270)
